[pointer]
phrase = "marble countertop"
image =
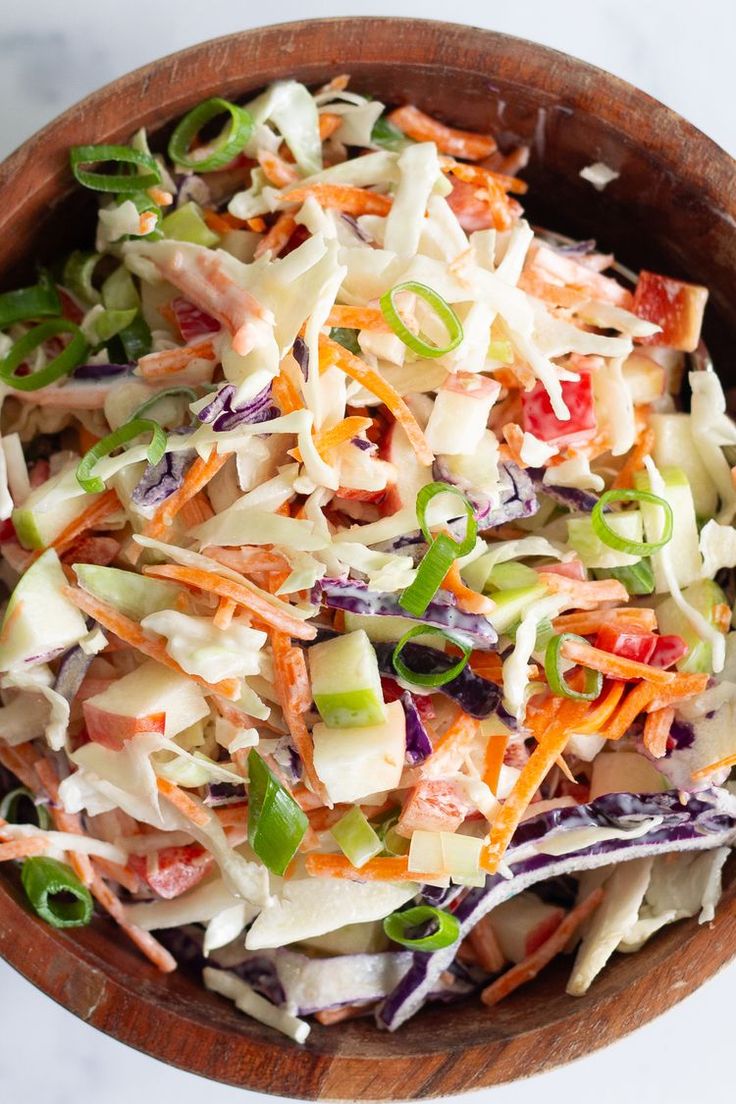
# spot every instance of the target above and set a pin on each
(52, 54)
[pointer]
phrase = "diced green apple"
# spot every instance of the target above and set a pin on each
(596, 553)
(510, 576)
(134, 595)
(624, 772)
(39, 620)
(346, 682)
(355, 762)
(382, 630)
(683, 549)
(49, 509)
(704, 596)
(522, 924)
(674, 447)
(511, 605)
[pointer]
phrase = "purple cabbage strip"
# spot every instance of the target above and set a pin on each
(353, 596)
(572, 497)
(161, 480)
(575, 249)
(517, 499)
(477, 696)
(101, 371)
(70, 676)
(223, 416)
(224, 793)
(418, 743)
(301, 355)
(353, 224)
(707, 821)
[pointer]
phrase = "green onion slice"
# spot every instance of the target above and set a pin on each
(229, 143)
(438, 678)
(135, 339)
(12, 804)
(347, 338)
(446, 927)
(357, 839)
(128, 432)
(56, 893)
(79, 270)
(442, 309)
(127, 180)
(39, 301)
(638, 578)
(556, 678)
(166, 393)
(442, 552)
(608, 536)
(110, 322)
(73, 354)
(276, 824)
(388, 136)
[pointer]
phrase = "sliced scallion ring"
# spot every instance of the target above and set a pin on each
(128, 432)
(437, 678)
(24, 304)
(608, 536)
(558, 684)
(11, 807)
(442, 552)
(127, 180)
(442, 309)
(56, 893)
(166, 393)
(72, 355)
(276, 824)
(77, 276)
(229, 143)
(399, 925)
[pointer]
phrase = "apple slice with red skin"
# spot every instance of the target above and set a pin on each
(113, 730)
(172, 870)
(673, 305)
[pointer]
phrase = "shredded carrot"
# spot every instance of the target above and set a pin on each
(285, 394)
(456, 143)
(133, 635)
(657, 729)
(160, 196)
(168, 362)
(220, 223)
(328, 439)
(595, 720)
(145, 942)
(682, 686)
(529, 967)
(65, 822)
(278, 236)
(637, 700)
(614, 666)
(196, 511)
(277, 171)
(720, 764)
(257, 225)
(551, 744)
(341, 197)
(21, 761)
(328, 124)
(585, 595)
(627, 619)
(635, 460)
(486, 664)
(196, 478)
(484, 944)
(476, 174)
(358, 318)
(224, 614)
(467, 599)
(291, 682)
(454, 744)
(382, 869)
(373, 381)
(495, 751)
(721, 615)
(329, 1016)
(183, 802)
(273, 614)
(514, 437)
(248, 558)
(120, 874)
(22, 848)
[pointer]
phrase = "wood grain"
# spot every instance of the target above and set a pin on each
(672, 208)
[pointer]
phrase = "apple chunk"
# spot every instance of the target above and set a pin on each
(149, 699)
(673, 305)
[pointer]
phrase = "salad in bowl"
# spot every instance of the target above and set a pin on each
(368, 568)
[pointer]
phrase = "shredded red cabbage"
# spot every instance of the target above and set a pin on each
(223, 416)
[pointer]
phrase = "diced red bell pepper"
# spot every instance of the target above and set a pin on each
(571, 569)
(539, 418)
(638, 646)
(192, 321)
(675, 306)
(69, 308)
(7, 530)
(173, 870)
(667, 651)
(423, 702)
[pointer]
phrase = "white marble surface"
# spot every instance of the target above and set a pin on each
(53, 53)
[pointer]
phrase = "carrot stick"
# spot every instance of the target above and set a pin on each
(358, 318)
(614, 666)
(483, 942)
(22, 848)
(120, 874)
(585, 595)
(720, 764)
(183, 802)
(476, 174)
(328, 439)
(635, 460)
(328, 124)
(145, 942)
(529, 967)
(341, 197)
(382, 869)
(197, 477)
(533, 773)
(373, 381)
(64, 821)
(656, 730)
(468, 600)
(682, 686)
(274, 615)
(285, 394)
(291, 682)
(221, 223)
(168, 362)
(329, 1016)
(132, 634)
(495, 751)
(486, 664)
(452, 747)
(277, 171)
(224, 614)
(589, 622)
(597, 717)
(277, 237)
(637, 699)
(196, 511)
(107, 504)
(248, 558)
(456, 143)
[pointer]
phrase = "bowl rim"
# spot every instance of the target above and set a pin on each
(117, 1005)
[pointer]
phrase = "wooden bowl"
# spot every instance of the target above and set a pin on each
(673, 209)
